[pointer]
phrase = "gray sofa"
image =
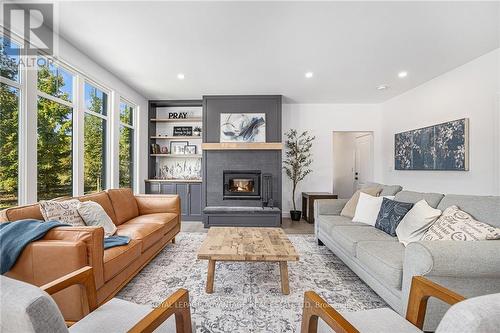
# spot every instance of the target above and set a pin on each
(469, 268)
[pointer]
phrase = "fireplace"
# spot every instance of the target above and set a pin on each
(242, 184)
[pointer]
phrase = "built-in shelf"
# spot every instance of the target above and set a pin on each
(180, 120)
(178, 155)
(194, 137)
(173, 180)
(242, 146)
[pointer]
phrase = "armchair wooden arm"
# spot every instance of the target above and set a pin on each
(177, 304)
(83, 277)
(421, 289)
(316, 307)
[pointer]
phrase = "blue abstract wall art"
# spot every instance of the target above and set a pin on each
(242, 127)
(438, 147)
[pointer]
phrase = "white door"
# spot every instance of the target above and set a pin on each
(363, 161)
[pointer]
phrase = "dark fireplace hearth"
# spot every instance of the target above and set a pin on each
(242, 184)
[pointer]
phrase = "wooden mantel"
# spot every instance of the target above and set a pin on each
(242, 146)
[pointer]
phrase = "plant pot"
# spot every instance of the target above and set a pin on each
(295, 215)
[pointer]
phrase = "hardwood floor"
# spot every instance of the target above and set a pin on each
(289, 226)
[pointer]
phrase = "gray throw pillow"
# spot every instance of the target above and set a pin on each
(390, 214)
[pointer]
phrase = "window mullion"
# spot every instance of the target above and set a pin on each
(10, 82)
(28, 117)
(96, 114)
(54, 99)
(78, 139)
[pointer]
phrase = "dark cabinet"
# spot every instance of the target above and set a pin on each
(189, 193)
(195, 200)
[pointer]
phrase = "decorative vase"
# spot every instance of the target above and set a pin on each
(295, 215)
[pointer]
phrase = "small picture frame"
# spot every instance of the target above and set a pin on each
(190, 149)
(178, 147)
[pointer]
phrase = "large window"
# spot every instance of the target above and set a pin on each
(55, 131)
(10, 89)
(96, 109)
(126, 149)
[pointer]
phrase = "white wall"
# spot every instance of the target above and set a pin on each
(321, 120)
(470, 91)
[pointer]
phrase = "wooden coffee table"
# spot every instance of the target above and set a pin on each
(247, 244)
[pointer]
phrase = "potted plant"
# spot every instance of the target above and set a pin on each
(197, 131)
(297, 162)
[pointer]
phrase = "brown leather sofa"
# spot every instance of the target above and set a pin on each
(151, 221)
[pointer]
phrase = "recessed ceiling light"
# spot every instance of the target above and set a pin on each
(309, 75)
(403, 74)
(382, 87)
(180, 76)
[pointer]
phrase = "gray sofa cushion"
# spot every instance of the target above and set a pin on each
(26, 308)
(387, 190)
(390, 190)
(326, 223)
(432, 199)
(384, 260)
(374, 321)
(348, 237)
(474, 315)
(483, 208)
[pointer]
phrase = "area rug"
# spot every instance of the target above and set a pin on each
(247, 296)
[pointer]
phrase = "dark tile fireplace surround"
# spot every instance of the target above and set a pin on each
(241, 187)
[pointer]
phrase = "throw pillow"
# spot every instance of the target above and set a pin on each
(94, 215)
(62, 211)
(416, 222)
(350, 207)
(455, 224)
(368, 208)
(390, 214)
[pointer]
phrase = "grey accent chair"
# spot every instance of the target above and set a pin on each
(475, 315)
(27, 308)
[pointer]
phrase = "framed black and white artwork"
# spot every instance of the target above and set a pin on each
(242, 127)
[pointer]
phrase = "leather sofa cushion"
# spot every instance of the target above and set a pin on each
(348, 237)
(102, 199)
(124, 204)
(147, 233)
(24, 212)
(116, 259)
(169, 220)
(384, 260)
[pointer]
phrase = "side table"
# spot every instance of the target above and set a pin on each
(308, 203)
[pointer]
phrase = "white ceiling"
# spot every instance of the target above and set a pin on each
(266, 47)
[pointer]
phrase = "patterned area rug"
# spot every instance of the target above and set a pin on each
(247, 296)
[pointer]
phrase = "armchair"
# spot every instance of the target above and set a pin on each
(479, 314)
(30, 309)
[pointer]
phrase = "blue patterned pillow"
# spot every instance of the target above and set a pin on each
(390, 214)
